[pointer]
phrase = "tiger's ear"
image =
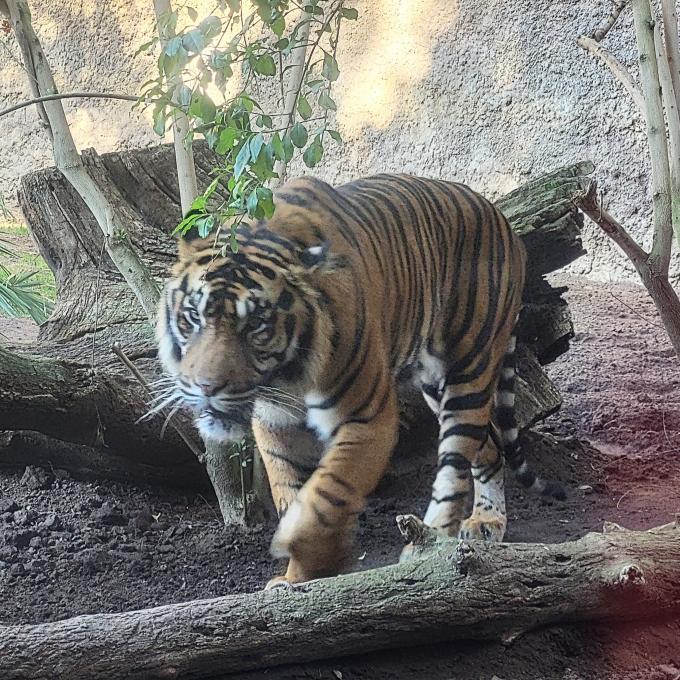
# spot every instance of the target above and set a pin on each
(320, 258)
(188, 244)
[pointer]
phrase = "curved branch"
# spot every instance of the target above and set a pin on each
(68, 95)
(601, 32)
(589, 204)
(616, 67)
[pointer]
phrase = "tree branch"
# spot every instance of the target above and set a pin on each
(618, 70)
(656, 135)
(68, 95)
(599, 33)
(590, 205)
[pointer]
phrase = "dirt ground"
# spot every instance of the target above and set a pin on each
(75, 547)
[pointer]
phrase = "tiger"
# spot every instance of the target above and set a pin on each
(304, 331)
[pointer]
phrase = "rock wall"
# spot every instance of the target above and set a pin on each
(489, 93)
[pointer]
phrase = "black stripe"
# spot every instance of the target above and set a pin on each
(451, 497)
(468, 402)
(330, 498)
(296, 465)
(477, 432)
(455, 460)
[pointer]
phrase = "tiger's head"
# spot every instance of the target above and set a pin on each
(231, 326)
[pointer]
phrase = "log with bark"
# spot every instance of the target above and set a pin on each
(88, 390)
(453, 590)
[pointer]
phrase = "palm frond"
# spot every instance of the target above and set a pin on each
(21, 295)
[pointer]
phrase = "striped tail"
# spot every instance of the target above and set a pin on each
(509, 434)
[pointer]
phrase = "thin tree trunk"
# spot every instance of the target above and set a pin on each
(656, 136)
(668, 81)
(184, 156)
(297, 72)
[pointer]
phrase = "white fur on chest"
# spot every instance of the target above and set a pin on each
(322, 420)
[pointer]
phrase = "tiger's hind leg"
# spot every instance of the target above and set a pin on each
(464, 415)
(488, 520)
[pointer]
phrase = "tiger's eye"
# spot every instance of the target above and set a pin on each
(193, 315)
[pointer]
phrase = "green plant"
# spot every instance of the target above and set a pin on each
(22, 293)
(251, 142)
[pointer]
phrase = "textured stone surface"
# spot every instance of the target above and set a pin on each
(491, 94)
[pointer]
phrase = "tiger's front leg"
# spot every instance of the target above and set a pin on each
(290, 454)
(316, 531)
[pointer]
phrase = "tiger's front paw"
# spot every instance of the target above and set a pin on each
(280, 582)
(483, 527)
(314, 551)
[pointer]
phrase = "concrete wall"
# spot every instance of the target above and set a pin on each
(490, 93)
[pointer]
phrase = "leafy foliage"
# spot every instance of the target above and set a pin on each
(21, 293)
(257, 47)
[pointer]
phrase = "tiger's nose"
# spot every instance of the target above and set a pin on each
(208, 387)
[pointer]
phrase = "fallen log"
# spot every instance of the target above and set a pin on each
(23, 447)
(457, 590)
(74, 403)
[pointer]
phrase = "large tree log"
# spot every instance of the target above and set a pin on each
(95, 308)
(459, 590)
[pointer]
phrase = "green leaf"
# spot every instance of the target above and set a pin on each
(303, 107)
(256, 143)
(193, 41)
(314, 85)
(330, 69)
(335, 135)
(242, 158)
(277, 146)
(219, 60)
(278, 26)
(203, 107)
(226, 141)
(184, 96)
(313, 153)
(299, 135)
(288, 148)
(172, 46)
(264, 65)
(145, 46)
(210, 27)
(159, 120)
(251, 204)
(281, 44)
(264, 121)
(205, 225)
(349, 13)
(193, 14)
(326, 102)
(313, 9)
(266, 201)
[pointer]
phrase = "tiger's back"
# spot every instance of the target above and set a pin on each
(433, 261)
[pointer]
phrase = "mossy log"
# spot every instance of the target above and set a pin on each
(95, 308)
(454, 590)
